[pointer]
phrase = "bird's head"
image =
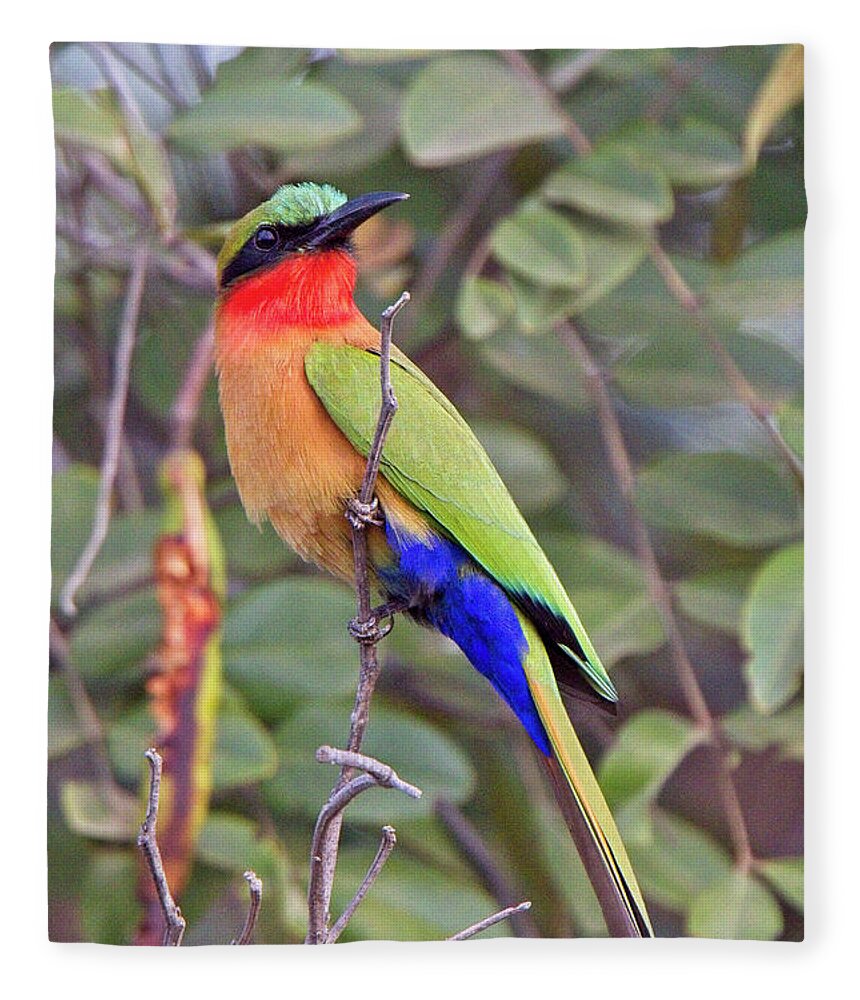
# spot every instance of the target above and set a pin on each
(299, 220)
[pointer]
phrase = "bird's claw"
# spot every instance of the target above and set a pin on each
(360, 515)
(370, 630)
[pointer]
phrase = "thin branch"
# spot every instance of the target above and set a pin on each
(361, 512)
(491, 921)
(622, 469)
(386, 846)
(384, 774)
(147, 842)
(183, 413)
(113, 433)
(255, 891)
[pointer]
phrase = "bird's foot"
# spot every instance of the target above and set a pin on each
(378, 624)
(360, 515)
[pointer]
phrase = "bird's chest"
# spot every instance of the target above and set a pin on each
(291, 463)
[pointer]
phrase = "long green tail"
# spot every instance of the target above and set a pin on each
(581, 801)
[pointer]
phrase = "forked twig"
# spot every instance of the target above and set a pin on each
(147, 842)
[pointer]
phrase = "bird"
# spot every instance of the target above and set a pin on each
(298, 380)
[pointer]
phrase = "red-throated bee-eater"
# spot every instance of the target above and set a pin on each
(298, 368)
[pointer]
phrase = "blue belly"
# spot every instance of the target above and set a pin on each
(452, 594)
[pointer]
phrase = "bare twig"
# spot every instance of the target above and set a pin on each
(384, 774)
(622, 469)
(386, 846)
(113, 433)
(147, 842)
(183, 413)
(361, 512)
(491, 921)
(255, 891)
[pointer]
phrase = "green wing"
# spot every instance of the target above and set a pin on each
(432, 458)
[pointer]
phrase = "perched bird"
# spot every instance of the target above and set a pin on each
(298, 369)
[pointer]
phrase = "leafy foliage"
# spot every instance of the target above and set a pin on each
(681, 152)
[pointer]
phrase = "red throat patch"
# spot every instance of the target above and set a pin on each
(309, 290)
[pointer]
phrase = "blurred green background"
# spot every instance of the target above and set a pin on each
(541, 183)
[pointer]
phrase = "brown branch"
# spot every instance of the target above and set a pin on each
(255, 891)
(360, 513)
(675, 284)
(183, 412)
(491, 921)
(383, 774)
(113, 433)
(148, 844)
(386, 846)
(622, 469)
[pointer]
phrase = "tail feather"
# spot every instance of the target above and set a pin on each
(582, 803)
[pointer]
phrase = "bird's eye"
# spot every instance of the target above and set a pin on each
(266, 238)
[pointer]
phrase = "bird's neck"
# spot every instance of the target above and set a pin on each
(312, 290)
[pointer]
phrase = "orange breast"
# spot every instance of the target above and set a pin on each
(291, 463)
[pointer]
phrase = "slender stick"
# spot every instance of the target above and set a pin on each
(255, 892)
(113, 433)
(183, 413)
(147, 842)
(360, 513)
(622, 469)
(386, 846)
(384, 774)
(491, 921)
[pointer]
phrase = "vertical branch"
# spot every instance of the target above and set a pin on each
(361, 512)
(622, 469)
(148, 844)
(113, 433)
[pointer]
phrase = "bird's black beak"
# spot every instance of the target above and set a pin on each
(342, 221)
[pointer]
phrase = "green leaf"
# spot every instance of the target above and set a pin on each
(411, 900)
(483, 306)
(244, 751)
(782, 89)
(110, 911)
(252, 550)
(73, 500)
(64, 730)
(542, 246)
(755, 731)
(678, 863)
(727, 497)
(463, 106)
(539, 364)
(737, 908)
(615, 186)
(271, 111)
(696, 155)
(117, 636)
(288, 640)
(91, 121)
(524, 462)
(762, 291)
(418, 752)
(786, 876)
(716, 598)
(789, 419)
(645, 753)
(100, 812)
(773, 630)
(609, 590)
